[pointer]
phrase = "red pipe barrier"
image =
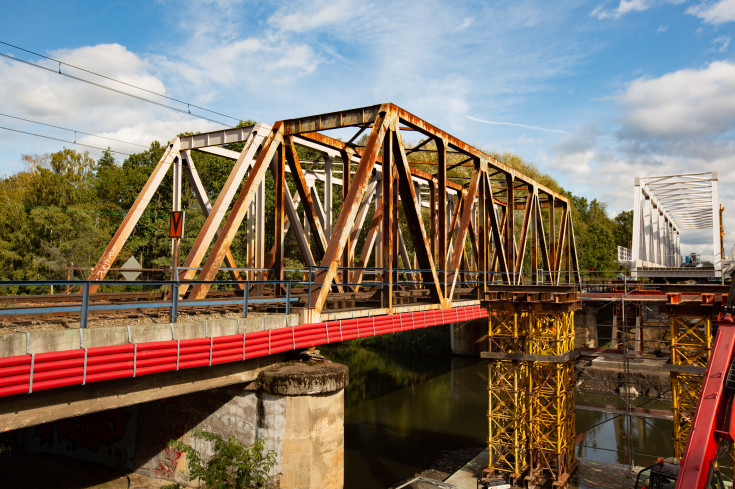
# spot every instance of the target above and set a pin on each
(80, 366)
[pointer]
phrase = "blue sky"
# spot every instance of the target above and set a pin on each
(593, 93)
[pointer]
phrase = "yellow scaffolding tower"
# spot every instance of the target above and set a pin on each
(531, 396)
(691, 343)
(551, 411)
(508, 396)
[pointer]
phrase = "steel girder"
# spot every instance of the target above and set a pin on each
(468, 220)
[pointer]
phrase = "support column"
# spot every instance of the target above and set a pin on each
(531, 391)
(691, 343)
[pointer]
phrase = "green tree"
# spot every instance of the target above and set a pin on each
(623, 230)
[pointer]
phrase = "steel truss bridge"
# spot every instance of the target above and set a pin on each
(430, 231)
(473, 219)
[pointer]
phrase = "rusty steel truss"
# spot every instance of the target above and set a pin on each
(466, 219)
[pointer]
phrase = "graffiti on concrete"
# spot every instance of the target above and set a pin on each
(107, 437)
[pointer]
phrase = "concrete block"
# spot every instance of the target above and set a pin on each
(222, 327)
(58, 340)
(13, 344)
(93, 338)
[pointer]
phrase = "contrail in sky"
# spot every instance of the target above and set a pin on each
(537, 128)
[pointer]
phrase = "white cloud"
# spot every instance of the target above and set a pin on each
(303, 17)
(722, 43)
(718, 12)
(47, 97)
(624, 7)
(681, 122)
(468, 21)
(685, 103)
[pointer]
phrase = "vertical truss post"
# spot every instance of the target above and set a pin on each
(176, 207)
(347, 257)
(328, 196)
(552, 239)
(441, 178)
(280, 184)
(510, 225)
(533, 236)
(482, 235)
(206, 206)
(433, 184)
(387, 241)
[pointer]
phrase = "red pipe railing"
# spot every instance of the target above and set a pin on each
(41, 371)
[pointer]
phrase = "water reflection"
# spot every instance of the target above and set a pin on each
(607, 438)
(402, 411)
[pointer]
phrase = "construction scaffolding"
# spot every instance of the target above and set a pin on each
(691, 344)
(531, 390)
(508, 401)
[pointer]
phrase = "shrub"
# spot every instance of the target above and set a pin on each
(234, 465)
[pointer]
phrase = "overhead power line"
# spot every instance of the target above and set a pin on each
(63, 140)
(118, 81)
(75, 131)
(121, 92)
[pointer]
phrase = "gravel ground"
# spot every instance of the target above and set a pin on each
(59, 323)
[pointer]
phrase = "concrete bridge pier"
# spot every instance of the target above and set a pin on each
(296, 407)
(468, 338)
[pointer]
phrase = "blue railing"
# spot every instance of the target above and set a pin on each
(173, 301)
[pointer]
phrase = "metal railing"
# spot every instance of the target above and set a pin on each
(173, 302)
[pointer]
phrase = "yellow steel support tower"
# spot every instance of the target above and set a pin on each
(691, 343)
(508, 397)
(551, 410)
(531, 392)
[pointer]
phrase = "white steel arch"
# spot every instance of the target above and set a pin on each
(663, 206)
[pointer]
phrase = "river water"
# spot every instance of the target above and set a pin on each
(402, 411)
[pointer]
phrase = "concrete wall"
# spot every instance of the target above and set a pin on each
(297, 408)
(467, 338)
(13, 344)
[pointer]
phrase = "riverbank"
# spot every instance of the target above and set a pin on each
(590, 474)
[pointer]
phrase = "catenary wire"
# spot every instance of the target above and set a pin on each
(72, 130)
(116, 80)
(121, 92)
(64, 140)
